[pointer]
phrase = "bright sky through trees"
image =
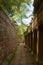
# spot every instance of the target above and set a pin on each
(19, 11)
(28, 20)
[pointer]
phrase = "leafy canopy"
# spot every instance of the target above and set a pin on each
(17, 9)
(10, 4)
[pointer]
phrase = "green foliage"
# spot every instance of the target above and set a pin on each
(20, 13)
(17, 9)
(9, 4)
(20, 29)
(6, 5)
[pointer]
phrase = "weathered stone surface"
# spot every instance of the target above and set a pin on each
(8, 36)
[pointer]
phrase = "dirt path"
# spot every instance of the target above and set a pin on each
(22, 57)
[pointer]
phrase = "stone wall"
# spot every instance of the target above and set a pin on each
(37, 33)
(8, 36)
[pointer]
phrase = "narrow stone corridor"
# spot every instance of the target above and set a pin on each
(22, 56)
(21, 32)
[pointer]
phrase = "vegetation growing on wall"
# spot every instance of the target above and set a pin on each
(16, 10)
